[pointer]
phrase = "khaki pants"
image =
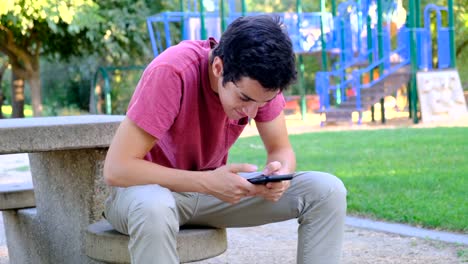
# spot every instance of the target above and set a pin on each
(151, 216)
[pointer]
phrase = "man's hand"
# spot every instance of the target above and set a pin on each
(273, 191)
(225, 184)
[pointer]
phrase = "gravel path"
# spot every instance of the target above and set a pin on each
(276, 244)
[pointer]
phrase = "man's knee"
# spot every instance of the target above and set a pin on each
(320, 182)
(324, 190)
(153, 216)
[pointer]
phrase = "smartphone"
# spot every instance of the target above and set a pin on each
(262, 179)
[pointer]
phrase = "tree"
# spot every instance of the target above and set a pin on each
(112, 30)
(461, 26)
(30, 28)
(121, 38)
(3, 67)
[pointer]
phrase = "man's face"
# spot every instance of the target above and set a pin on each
(243, 98)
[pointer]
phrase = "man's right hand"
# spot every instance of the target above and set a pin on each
(225, 184)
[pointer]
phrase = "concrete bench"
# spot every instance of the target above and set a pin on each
(16, 196)
(66, 157)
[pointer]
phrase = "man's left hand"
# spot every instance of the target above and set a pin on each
(273, 191)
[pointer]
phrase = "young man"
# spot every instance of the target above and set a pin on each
(167, 160)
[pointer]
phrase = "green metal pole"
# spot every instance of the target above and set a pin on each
(370, 57)
(223, 15)
(414, 14)
(322, 37)
(301, 65)
(451, 20)
(299, 10)
(244, 7)
(370, 45)
(302, 87)
(380, 34)
(182, 20)
(417, 14)
(342, 62)
(202, 20)
(107, 90)
(381, 52)
(95, 95)
(333, 7)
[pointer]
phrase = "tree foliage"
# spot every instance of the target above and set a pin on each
(31, 28)
(112, 30)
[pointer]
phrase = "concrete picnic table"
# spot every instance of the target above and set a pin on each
(66, 157)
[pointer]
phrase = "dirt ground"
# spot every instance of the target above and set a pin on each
(276, 244)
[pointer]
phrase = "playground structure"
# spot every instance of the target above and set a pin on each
(369, 48)
(340, 33)
(357, 85)
(193, 22)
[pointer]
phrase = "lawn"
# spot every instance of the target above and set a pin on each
(410, 175)
(7, 110)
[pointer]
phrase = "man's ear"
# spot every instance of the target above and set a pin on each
(217, 67)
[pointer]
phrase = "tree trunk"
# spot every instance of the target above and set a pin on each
(17, 95)
(2, 97)
(462, 46)
(36, 98)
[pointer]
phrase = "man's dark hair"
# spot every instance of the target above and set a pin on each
(257, 47)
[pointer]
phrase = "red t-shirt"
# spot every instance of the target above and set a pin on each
(174, 102)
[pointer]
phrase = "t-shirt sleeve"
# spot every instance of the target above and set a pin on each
(156, 101)
(271, 110)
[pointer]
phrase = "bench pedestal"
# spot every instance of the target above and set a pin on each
(69, 193)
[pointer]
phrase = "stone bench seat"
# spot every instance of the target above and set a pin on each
(105, 244)
(16, 196)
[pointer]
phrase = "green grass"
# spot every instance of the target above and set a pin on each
(415, 176)
(462, 254)
(21, 168)
(7, 110)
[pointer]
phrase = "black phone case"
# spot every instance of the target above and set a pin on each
(271, 178)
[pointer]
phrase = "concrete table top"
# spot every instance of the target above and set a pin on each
(26, 135)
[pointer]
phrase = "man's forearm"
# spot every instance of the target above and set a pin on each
(140, 172)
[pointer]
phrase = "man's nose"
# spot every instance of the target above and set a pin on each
(251, 109)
